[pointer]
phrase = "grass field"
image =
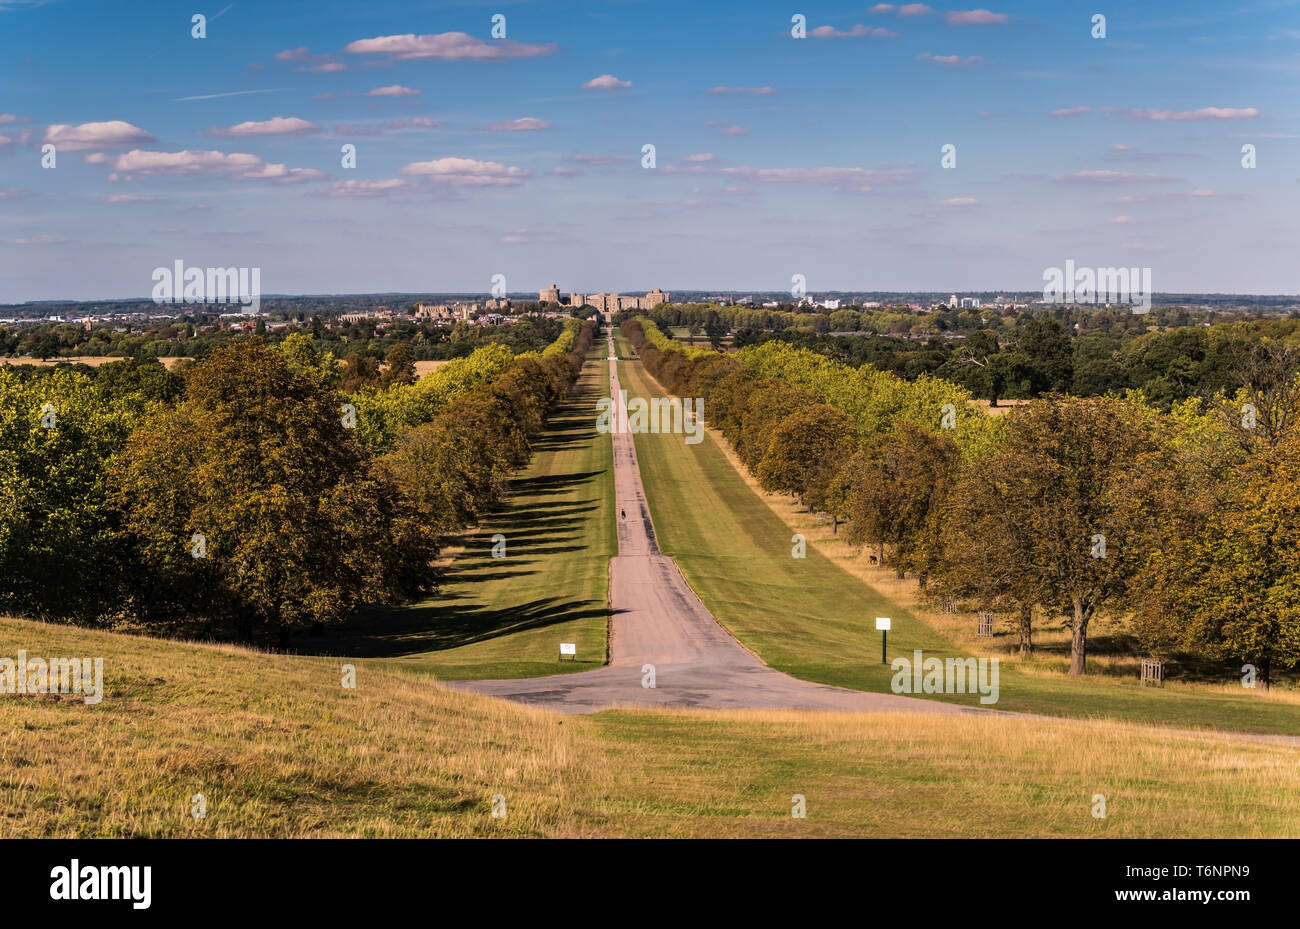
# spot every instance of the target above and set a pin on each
(93, 361)
(506, 617)
(277, 747)
(814, 619)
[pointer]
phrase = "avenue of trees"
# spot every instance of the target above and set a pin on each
(1185, 522)
(253, 497)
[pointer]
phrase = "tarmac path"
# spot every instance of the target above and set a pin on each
(657, 620)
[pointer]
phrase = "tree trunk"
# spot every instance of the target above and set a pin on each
(284, 636)
(1265, 672)
(835, 525)
(1079, 639)
(880, 554)
(1026, 629)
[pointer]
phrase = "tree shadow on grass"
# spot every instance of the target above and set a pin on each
(440, 625)
(457, 615)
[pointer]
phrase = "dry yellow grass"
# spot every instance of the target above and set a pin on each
(427, 367)
(279, 748)
(93, 361)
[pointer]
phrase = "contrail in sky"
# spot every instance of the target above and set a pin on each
(233, 93)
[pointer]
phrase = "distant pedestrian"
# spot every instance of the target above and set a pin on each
(622, 514)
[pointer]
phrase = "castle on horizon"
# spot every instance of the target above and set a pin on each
(605, 303)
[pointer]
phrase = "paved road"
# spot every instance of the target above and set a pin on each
(657, 620)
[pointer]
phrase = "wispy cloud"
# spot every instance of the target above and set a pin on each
(752, 91)
(1204, 114)
(975, 18)
(526, 124)
(232, 93)
(858, 31)
(951, 61)
(447, 46)
(1112, 177)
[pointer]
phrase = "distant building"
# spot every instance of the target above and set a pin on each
(613, 303)
(549, 294)
(970, 303)
(952, 301)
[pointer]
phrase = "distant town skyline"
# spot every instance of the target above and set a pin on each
(525, 155)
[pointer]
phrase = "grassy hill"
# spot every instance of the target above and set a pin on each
(279, 748)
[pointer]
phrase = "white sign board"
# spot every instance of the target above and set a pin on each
(882, 623)
(569, 648)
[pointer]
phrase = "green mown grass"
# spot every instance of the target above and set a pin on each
(812, 619)
(506, 617)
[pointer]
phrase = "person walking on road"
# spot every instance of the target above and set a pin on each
(622, 514)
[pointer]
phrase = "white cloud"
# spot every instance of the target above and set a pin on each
(277, 125)
(447, 46)
(975, 18)
(605, 82)
(191, 162)
(466, 172)
(393, 90)
(526, 124)
(914, 9)
(1072, 111)
(959, 201)
(111, 134)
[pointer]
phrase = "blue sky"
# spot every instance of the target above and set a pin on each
(774, 155)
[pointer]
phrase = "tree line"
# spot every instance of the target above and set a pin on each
(1184, 523)
(245, 499)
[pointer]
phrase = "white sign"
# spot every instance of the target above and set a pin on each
(882, 623)
(569, 648)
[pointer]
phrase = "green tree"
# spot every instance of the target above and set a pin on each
(1231, 587)
(399, 366)
(295, 529)
(803, 451)
(1073, 475)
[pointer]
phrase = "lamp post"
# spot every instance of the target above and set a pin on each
(883, 623)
